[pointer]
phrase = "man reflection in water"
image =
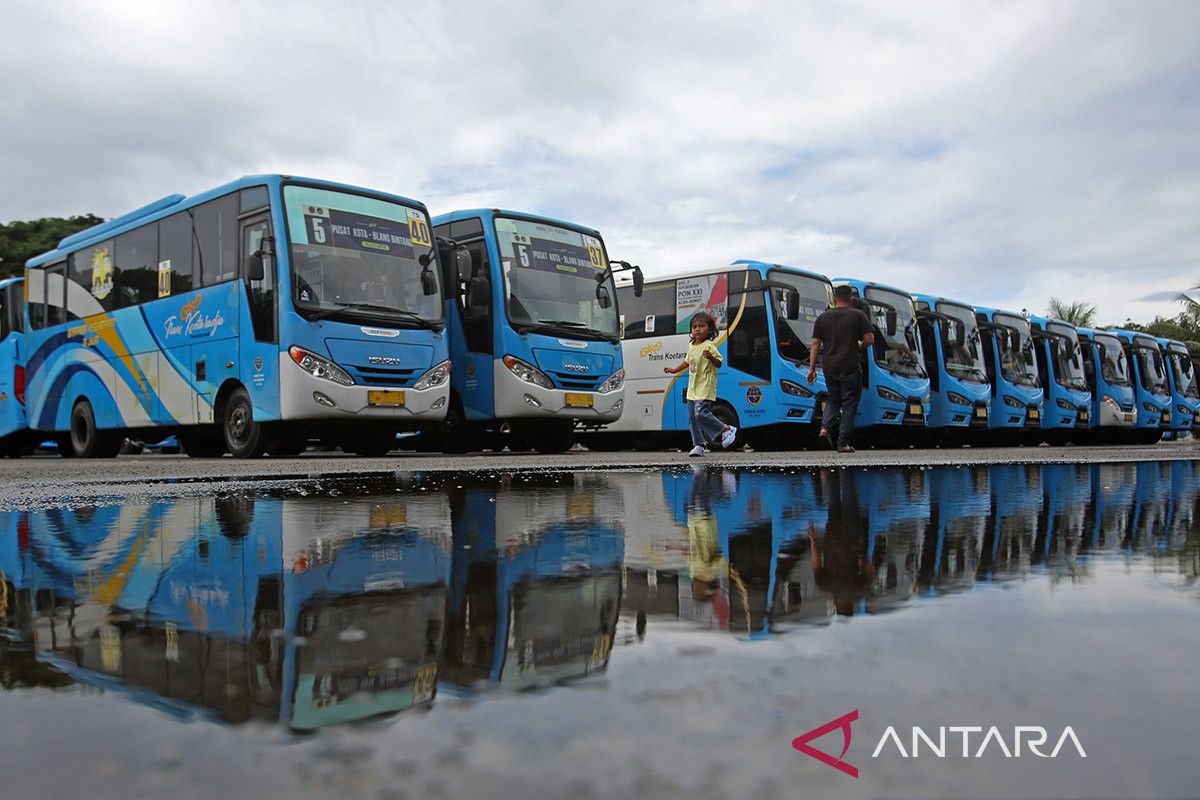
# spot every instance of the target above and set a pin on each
(843, 569)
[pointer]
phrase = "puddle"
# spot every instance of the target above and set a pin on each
(606, 634)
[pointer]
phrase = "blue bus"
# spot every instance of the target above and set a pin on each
(1008, 358)
(895, 385)
(1152, 394)
(536, 585)
(953, 351)
(1067, 401)
(1107, 375)
(1185, 394)
(15, 439)
(531, 312)
(765, 315)
(244, 319)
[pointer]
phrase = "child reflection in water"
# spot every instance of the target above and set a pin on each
(841, 567)
(707, 565)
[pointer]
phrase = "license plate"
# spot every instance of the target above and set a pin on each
(981, 413)
(578, 399)
(385, 397)
(1035, 414)
(1128, 417)
(1083, 416)
(914, 408)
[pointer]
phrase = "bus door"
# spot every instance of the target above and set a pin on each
(12, 386)
(475, 308)
(259, 346)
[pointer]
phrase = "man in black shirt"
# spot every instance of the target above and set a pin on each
(841, 334)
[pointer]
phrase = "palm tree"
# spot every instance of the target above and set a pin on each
(1081, 314)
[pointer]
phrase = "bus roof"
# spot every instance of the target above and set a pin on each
(1129, 335)
(626, 278)
(12, 279)
(862, 285)
(489, 213)
(933, 300)
(1172, 344)
(990, 313)
(1044, 321)
(766, 266)
(171, 204)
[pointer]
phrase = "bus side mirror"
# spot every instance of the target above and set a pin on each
(791, 304)
(255, 271)
(890, 316)
(603, 297)
(960, 334)
(639, 282)
(429, 284)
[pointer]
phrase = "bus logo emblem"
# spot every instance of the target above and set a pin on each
(189, 308)
(753, 395)
(574, 367)
(650, 349)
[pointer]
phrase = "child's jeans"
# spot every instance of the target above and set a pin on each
(704, 425)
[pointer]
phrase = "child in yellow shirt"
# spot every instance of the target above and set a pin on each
(702, 360)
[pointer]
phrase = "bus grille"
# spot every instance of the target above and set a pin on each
(381, 376)
(574, 380)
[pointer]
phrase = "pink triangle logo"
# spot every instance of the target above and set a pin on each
(843, 722)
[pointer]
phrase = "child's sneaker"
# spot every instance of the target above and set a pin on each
(728, 436)
(697, 451)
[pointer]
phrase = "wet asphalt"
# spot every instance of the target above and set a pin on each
(40, 480)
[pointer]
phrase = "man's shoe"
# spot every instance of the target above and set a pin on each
(728, 437)
(845, 448)
(697, 452)
(824, 442)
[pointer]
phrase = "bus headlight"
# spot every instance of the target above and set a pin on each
(434, 377)
(527, 373)
(888, 394)
(1063, 404)
(319, 367)
(1183, 409)
(795, 389)
(955, 397)
(1153, 409)
(614, 382)
(1113, 404)
(1013, 402)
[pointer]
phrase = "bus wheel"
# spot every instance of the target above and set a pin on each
(202, 444)
(244, 438)
(552, 437)
(88, 441)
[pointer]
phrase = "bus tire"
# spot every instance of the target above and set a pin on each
(244, 438)
(551, 437)
(88, 441)
(202, 444)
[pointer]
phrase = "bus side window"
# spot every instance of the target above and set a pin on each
(136, 268)
(748, 344)
(477, 319)
(91, 271)
(1088, 349)
(261, 292)
(175, 254)
(989, 344)
(216, 236)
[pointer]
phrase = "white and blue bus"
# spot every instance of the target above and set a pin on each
(765, 315)
(533, 332)
(244, 319)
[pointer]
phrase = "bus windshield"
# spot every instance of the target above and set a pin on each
(795, 335)
(899, 352)
(1112, 361)
(963, 361)
(1017, 360)
(1068, 360)
(1154, 377)
(359, 255)
(1185, 374)
(550, 278)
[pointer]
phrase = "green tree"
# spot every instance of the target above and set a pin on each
(1081, 314)
(23, 239)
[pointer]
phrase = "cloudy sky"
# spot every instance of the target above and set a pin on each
(999, 152)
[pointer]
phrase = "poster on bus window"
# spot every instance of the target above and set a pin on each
(709, 292)
(563, 258)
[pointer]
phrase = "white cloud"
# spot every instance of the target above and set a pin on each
(997, 152)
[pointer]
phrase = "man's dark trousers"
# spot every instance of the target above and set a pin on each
(844, 390)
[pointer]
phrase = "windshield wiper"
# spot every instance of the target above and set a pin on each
(567, 326)
(410, 315)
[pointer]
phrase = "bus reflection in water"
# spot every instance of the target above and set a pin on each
(239, 608)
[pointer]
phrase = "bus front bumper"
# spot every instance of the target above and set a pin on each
(304, 396)
(516, 399)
